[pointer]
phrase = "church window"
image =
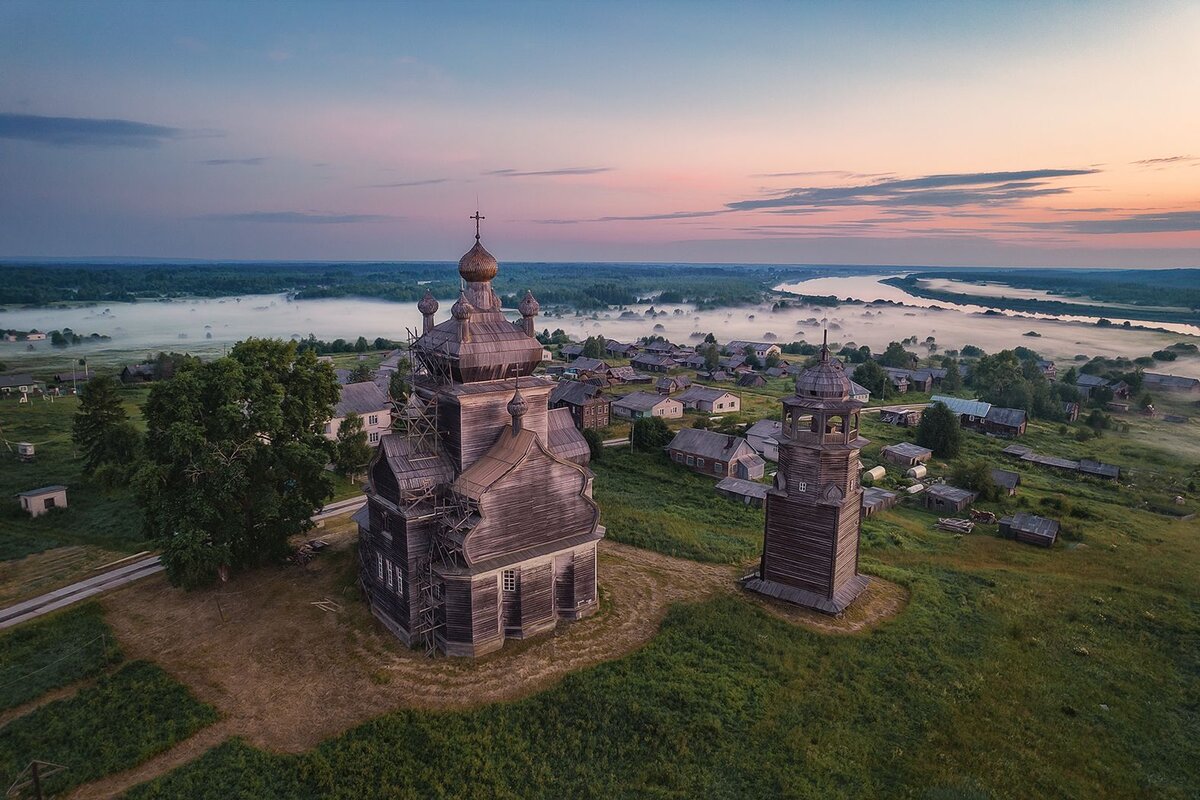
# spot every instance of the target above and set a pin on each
(388, 570)
(399, 580)
(379, 565)
(802, 486)
(508, 580)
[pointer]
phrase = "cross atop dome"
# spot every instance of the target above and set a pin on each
(476, 216)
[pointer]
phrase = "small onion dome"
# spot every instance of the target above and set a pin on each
(461, 310)
(428, 305)
(477, 265)
(826, 380)
(517, 405)
(529, 306)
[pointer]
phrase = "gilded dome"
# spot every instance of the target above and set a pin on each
(826, 380)
(461, 309)
(477, 265)
(428, 304)
(529, 306)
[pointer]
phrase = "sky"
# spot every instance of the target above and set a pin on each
(918, 133)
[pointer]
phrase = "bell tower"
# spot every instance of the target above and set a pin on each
(814, 510)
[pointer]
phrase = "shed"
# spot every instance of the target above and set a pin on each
(1030, 528)
(874, 500)
(38, 501)
(25, 451)
(1005, 421)
(875, 473)
(1007, 480)
(751, 493)
(751, 380)
(1099, 469)
(943, 497)
(904, 417)
(906, 454)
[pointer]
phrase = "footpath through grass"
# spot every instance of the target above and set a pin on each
(53, 652)
(124, 719)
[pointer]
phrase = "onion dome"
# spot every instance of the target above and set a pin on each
(517, 405)
(827, 380)
(477, 265)
(428, 305)
(461, 310)
(529, 306)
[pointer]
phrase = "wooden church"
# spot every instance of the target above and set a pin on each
(479, 524)
(814, 509)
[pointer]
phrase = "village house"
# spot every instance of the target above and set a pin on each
(1086, 384)
(672, 384)
(20, 383)
(1048, 369)
(570, 352)
(1030, 528)
(692, 361)
(971, 413)
(709, 400)
(644, 404)
(35, 336)
(764, 436)
(751, 380)
(1006, 480)
(859, 393)
(1157, 382)
(627, 375)
(752, 493)
(479, 526)
(652, 362)
(1070, 411)
(38, 501)
(370, 403)
(615, 349)
(588, 405)
(659, 348)
(1009, 422)
(761, 350)
(948, 499)
(906, 454)
(733, 364)
(713, 453)
(585, 365)
(904, 417)
(138, 373)
(875, 500)
(913, 380)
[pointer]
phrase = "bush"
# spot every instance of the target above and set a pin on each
(595, 443)
(651, 433)
(976, 475)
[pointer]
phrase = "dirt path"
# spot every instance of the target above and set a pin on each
(286, 675)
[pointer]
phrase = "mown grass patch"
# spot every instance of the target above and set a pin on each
(53, 652)
(647, 501)
(121, 721)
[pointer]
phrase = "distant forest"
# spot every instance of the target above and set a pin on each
(582, 286)
(1150, 290)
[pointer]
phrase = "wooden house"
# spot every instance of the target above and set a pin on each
(589, 407)
(1157, 382)
(1070, 411)
(19, 383)
(733, 364)
(1006, 480)
(479, 525)
(585, 365)
(713, 453)
(859, 393)
(36, 502)
(875, 500)
(913, 380)
(570, 352)
(760, 350)
(751, 380)
(970, 413)
(1009, 422)
(615, 349)
(764, 437)
(644, 404)
(650, 362)
(138, 373)
(708, 400)
(1030, 528)
(370, 402)
(659, 348)
(906, 454)
(1048, 369)
(947, 499)
(672, 384)
(814, 509)
(752, 493)
(904, 417)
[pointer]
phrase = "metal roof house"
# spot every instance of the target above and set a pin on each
(946, 498)
(370, 402)
(710, 400)
(644, 404)
(1170, 383)
(970, 412)
(1030, 528)
(764, 437)
(480, 525)
(906, 454)
(1007, 480)
(588, 405)
(713, 453)
(1005, 421)
(752, 493)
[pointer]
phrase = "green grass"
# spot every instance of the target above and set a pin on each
(120, 722)
(53, 652)
(647, 501)
(94, 515)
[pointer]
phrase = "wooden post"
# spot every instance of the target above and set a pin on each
(37, 780)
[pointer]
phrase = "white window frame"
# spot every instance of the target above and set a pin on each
(399, 580)
(691, 461)
(508, 580)
(388, 571)
(700, 463)
(718, 467)
(379, 565)
(373, 419)
(373, 438)
(802, 486)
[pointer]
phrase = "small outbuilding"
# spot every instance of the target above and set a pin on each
(752, 493)
(906, 454)
(1098, 469)
(946, 498)
(1030, 528)
(38, 501)
(875, 474)
(1007, 480)
(1005, 421)
(875, 500)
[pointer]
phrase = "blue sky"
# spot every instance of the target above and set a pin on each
(924, 133)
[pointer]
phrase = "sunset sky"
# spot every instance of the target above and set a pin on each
(884, 133)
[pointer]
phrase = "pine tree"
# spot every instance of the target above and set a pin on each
(101, 428)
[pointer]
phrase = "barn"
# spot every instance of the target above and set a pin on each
(944, 498)
(1030, 528)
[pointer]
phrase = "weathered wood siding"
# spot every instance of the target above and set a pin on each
(471, 424)
(537, 503)
(584, 573)
(537, 594)
(564, 582)
(485, 611)
(457, 609)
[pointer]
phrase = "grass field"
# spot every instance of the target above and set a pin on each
(54, 652)
(118, 723)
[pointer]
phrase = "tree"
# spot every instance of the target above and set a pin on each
(398, 387)
(651, 433)
(361, 374)
(752, 359)
(710, 339)
(351, 452)
(594, 442)
(773, 359)
(1069, 376)
(712, 357)
(361, 345)
(593, 347)
(953, 380)
(1145, 401)
(896, 356)
(235, 458)
(939, 431)
(976, 475)
(101, 428)
(872, 377)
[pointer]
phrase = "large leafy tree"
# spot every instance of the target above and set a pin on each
(896, 356)
(593, 347)
(235, 458)
(102, 429)
(872, 377)
(953, 380)
(651, 433)
(352, 452)
(939, 431)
